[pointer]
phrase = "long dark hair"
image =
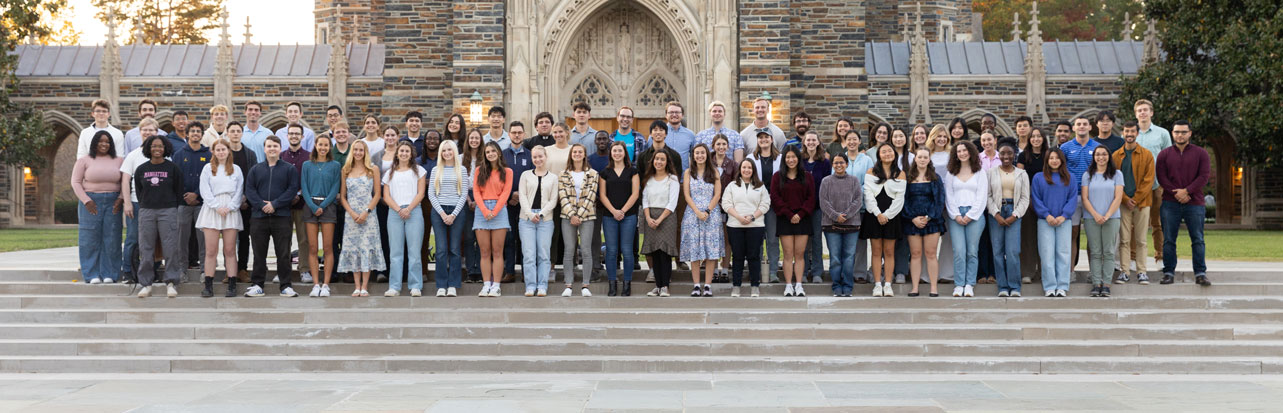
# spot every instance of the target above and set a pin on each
(458, 137)
(878, 171)
(929, 172)
(487, 167)
(649, 168)
(470, 155)
(708, 174)
(1063, 170)
(610, 159)
(1109, 163)
(955, 164)
(966, 133)
(753, 180)
(111, 144)
(873, 133)
(784, 165)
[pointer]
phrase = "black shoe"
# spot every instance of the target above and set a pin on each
(231, 288)
(861, 281)
(696, 292)
(1168, 279)
(933, 295)
(912, 294)
(944, 281)
(1203, 281)
(1095, 291)
(708, 291)
(628, 289)
(613, 286)
(1104, 291)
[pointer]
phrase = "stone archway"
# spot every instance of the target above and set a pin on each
(41, 195)
(972, 117)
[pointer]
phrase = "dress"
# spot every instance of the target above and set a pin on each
(872, 229)
(924, 198)
(221, 191)
(362, 250)
(702, 240)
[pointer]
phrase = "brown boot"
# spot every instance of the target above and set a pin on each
(242, 276)
(507, 278)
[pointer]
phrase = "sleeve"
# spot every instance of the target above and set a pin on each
(869, 192)
(993, 201)
(895, 188)
(77, 179)
(764, 204)
(950, 203)
(645, 201)
(1204, 172)
(727, 203)
(206, 187)
(308, 170)
(1160, 172)
(565, 187)
(476, 192)
(524, 199)
(507, 189)
(1144, 180)
(1022, 194)
(827, 209)
(1036, 195)
(465, 183)
(674, 190)
(286, 197)
(1071, 203)
(433, 198)
(938, 200)
(251, 191)
(82, 145)
(332, 193)
(776, 199)
(977, 210)
(179, 185)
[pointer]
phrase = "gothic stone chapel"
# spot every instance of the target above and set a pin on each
(897, 61)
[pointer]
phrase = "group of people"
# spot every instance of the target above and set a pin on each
(927, 201)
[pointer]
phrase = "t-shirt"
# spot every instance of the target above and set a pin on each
(619, 188)
(629, 141)
(404, 184)
(132, 161)
(1100, 191)
(160, 186)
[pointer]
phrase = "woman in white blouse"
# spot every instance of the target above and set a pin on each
(538, 198)
(659, 227)
(221, 186)
(884, 187)
(747, 203)
(403, 190)
(966, 190)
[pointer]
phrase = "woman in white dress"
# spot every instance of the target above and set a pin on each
(221, 186)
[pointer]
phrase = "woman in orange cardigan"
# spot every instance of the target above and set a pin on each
(491, 186)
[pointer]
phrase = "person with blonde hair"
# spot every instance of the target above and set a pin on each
(222, 186)
(218, 117)
(359, 195)
(448, 194)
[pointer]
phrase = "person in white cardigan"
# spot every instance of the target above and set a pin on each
(966, 190)
(746, 203)
(1008, 201)
(537, 193)
(884, 187)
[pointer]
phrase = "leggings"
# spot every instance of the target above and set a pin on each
(663, 267)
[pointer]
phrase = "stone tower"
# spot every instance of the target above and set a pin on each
(942, 20)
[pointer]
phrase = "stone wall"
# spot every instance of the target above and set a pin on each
(418, 70)
(827, 59)
(764, 52)
(478, 53)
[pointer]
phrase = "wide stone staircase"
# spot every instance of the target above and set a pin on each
(52, 323)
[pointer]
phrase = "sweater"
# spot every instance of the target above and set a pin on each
(452, 193)
(1021, 192)
(841, 195)
(101, 174)
(320, 180)
(1058, 199)
(894, 188)
(212, 186)
(278, 184)
(160, 186)
(746, 200)
(547, 188)
(1188, 169)
(492, 189)
(800, 199)
(583, 205)
(191, 162)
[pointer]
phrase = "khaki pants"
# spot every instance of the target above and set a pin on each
(1131, 237)
(1156, 222)
(300, 234)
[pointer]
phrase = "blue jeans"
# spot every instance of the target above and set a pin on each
(902, 257)
(966, 248)
(472, 253)
(449, 254)
(619, 239)
(1053, 248)
(1006, 250)
(403, 235)
(1172, 214)
(131, 246)
(842, 260)
(536, 250)
(99, 237)
(814, 255)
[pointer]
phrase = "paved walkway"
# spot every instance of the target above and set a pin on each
(667, 393)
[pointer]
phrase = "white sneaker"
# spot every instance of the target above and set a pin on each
(325, 291)
(653, 293)
(170, 291)
(877, 289)
(307, 277)
(968, 291)
(650, 276)
(95, 281)
(451, 292)
(957, 291)
(494, 291)
(108, 280)
(1003, 294)
(788, 290)
(584, 292)
(798, 291)
(289, 292)
(485, 292)
(415, 292)
(735, 291)
(316, 291)
(1050, 293)
(663, 292)
(254, 291)
(541, 293)
(440, 292)
(145, 292)
(899, 278)
(530, 292)
(1062, 293)
(566, 293)
(756, 292)
(276, 279)
(1026, 280)
(887, 291)
(1015, 293)
(391, 293)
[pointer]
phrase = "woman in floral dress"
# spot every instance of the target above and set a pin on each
(702, 225)
(362, 250)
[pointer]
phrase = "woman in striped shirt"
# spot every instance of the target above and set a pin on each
(448, 194)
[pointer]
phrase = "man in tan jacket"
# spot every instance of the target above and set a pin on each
(1137, 166)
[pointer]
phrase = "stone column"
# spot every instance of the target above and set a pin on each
(919, 73)
(109, 76)
(721, 48)
(1035, 72)
(523, 61)
(337, 72)
(224, 67)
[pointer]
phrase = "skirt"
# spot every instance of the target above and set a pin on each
(209, 218)
(871, 229)
(499, 221)
(784, 227)
(664, 238)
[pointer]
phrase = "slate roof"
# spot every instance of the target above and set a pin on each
(1007, 58)
(197, 60)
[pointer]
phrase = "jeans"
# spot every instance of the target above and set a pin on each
(619, 239)
(1173, 213)
(536, 247)
(512, 242)
(1053, 248)
(746, 245)
(472, 253)
(449, 254)
(772, 246)
(159, 225)
(814, 255)
(842, 260)
(406, 239)
(99, 237)
(278, 229)
(1100, 249)
(966, 248)
(583, 234)
(187, 215)
(1006, 250)
(1131, 237)
(130, 254)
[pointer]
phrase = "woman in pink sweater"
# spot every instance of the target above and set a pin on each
(96, 181)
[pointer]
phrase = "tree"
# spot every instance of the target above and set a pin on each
(165, 21)
(22, 128)
(1060, 19)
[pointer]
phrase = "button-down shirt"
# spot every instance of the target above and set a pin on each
(987, 162)
(587, 139)
(254, 140)
(133, 139)
(87, 135)
(733, 140)
(296, 158)
(1188, 170)
(504, 141)
(1078, 158)
(309, 138)
(681, 139)
(1155, 139)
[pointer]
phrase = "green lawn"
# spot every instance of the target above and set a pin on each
(1226, 245)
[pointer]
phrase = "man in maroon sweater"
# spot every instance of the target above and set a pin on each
(1183, 170)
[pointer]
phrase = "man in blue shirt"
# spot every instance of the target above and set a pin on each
(294, 114)
(1077, 159)
(1154, 138)
(255, 133)
(680, 138)
(191, 159)
(518, 159)
(582, 133)
(634, 140)
(496, 133)
(801, 124)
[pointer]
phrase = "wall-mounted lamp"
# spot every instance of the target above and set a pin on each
(475, 107)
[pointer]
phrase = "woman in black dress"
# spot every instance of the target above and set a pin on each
(883, 199)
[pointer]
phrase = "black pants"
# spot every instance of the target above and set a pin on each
(746, 244)
(279, 230)
(512, 242)
(243, 243)
(336, 242)
(663, 267)
(382, 212)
